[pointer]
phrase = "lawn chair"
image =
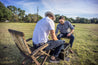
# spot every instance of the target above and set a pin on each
(22, 45)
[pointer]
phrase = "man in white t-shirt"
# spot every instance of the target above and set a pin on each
(43, 28)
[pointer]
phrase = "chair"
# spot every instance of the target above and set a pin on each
(22, 45)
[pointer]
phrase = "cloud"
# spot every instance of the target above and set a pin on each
(71, 6)
(28, 6)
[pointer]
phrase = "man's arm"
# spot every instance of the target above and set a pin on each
(72, 29)
(70, 32)
(53, 36)
(56, 30)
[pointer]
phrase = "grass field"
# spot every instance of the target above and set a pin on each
(85, 46)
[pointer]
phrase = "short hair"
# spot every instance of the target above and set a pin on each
(50, 14)
(61, 17)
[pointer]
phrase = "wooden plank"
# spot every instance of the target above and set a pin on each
(18, 37)
(40, 48)
(45, 58)
(44, 53)
(34, 59)
(28, 39)
(26, 45)
(16, 32)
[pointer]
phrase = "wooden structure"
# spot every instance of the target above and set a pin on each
(22, 45)
(65, 51)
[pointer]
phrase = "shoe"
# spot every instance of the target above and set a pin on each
(54, 61)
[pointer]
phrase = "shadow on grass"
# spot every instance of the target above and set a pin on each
(9, 55)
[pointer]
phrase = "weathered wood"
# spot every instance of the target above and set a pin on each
(16, 32)
(44, 52)
(33, 58)
(40, 48)
(28, 39)
(18, 37)
(45, 58)
(22, 45)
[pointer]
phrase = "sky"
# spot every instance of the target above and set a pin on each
(69, 8)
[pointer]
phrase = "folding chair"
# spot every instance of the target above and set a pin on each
(22, 45)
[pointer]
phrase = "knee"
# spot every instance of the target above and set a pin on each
(58, 36)
(72, 37)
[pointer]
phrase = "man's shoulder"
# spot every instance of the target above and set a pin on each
(58, 24)
(67, 22)
(48, 20)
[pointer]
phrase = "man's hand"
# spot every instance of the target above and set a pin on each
(68, 34)
(55, 39)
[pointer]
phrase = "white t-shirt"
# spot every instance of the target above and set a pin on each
(42, 29)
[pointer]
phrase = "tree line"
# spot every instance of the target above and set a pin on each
(78, 19)
(14, 14)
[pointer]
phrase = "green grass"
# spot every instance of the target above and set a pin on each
(85, 46)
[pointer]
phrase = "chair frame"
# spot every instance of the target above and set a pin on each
(22, 45)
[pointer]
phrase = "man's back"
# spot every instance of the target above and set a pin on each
(41, 31)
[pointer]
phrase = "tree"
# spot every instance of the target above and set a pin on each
(77, 20)
(13, 9)
(57, 18)
(5, 14)
(21, 13)
(17, 11)
(27, 19)
(71, 20)
(32, 18)
(39, 17)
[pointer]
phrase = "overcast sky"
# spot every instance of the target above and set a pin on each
(69, 8)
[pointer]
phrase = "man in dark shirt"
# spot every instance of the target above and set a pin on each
(63, 26)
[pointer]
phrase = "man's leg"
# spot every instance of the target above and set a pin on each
(71, 40)
(57, 45)
(60, 36)
(58, 50)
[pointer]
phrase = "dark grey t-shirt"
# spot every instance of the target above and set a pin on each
(63, 28)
